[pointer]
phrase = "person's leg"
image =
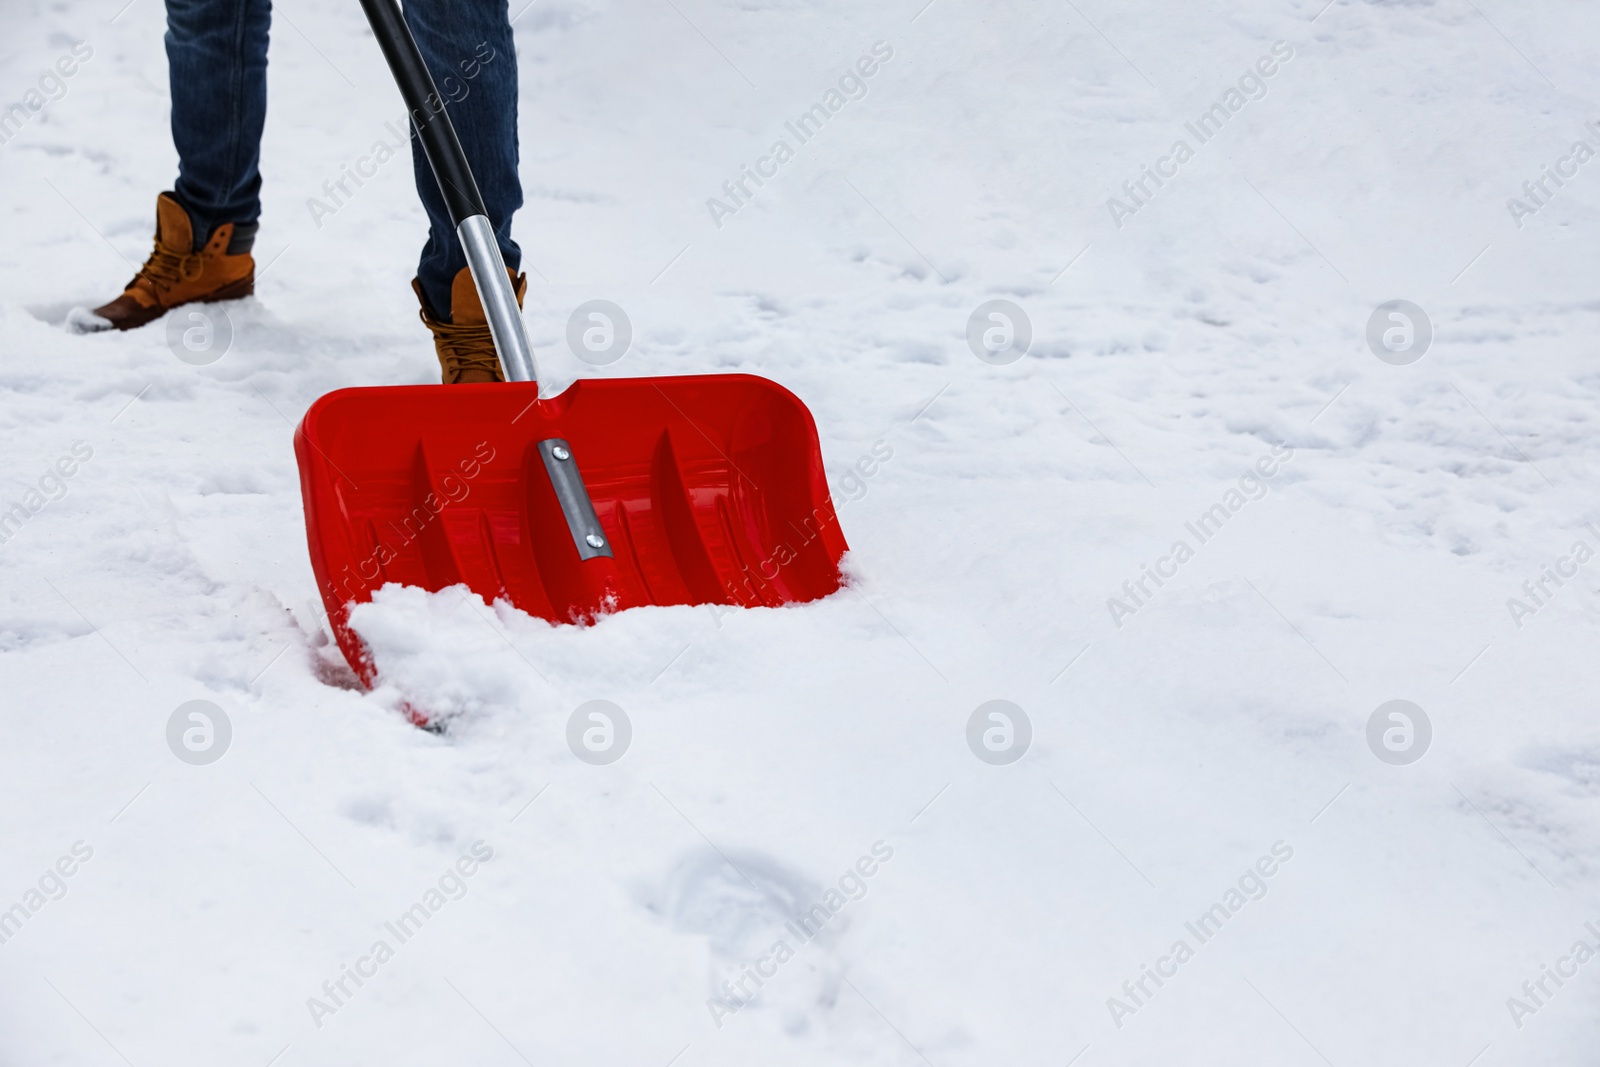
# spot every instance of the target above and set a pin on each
(468, 48)
(217, 56)
(205, 227)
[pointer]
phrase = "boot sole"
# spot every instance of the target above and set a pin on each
(238, 290)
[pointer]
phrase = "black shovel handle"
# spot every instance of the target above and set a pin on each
(426, 108)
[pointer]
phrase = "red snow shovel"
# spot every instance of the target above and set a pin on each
(617, 493)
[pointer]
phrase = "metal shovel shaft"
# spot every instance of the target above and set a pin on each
(489, 274)
(460, 190)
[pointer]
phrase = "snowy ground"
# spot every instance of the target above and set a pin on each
(1224, 719)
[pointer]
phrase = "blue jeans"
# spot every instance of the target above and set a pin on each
(217, 55)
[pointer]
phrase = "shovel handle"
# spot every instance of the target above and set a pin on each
(429, 118)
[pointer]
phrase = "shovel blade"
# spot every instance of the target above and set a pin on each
(707, 489)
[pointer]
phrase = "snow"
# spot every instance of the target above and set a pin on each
(1225, 720)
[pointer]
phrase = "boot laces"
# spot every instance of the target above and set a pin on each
(469, 347)
(165, 269)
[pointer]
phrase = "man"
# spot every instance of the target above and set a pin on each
(206, 225)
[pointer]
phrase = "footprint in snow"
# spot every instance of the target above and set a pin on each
(746, 904)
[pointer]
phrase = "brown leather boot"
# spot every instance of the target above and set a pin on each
(178, 273)
(465, 347)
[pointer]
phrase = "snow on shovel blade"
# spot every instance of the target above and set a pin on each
(704, 489)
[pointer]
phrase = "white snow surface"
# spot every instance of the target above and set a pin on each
(774, 748)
